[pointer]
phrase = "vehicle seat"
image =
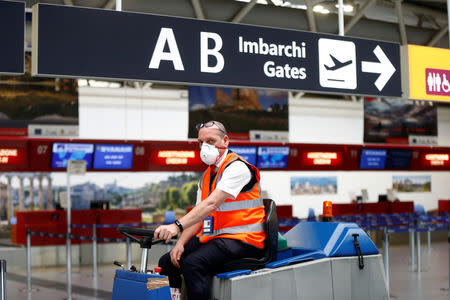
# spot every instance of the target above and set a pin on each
(270, 244)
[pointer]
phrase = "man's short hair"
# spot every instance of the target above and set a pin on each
(213, 123)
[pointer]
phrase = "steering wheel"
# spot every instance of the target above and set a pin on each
(145, 234)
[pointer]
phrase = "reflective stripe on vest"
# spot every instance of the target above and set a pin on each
(243, 204)
(239, 229)
(241, 218)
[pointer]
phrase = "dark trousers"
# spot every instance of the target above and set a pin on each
(200, 262)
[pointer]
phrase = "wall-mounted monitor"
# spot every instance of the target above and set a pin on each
(373, 159)
(398, 159)
(247, 153)
(113, 157)
(273, 157)
(62, 152)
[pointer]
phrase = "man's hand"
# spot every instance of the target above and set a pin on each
(166, 232)
(175, 254)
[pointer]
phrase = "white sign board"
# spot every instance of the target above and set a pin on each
(76, 167)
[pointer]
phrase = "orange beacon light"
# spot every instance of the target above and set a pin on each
(327, 214)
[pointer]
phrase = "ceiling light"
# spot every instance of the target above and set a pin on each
(347, 7)
(318, 8)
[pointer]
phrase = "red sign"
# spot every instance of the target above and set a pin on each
(187, 159)
(175, 157)
(318, 158)
(436, 159)
(12, 156)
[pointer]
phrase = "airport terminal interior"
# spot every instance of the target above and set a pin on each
(342, 105)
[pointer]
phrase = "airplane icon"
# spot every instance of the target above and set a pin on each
(337, 64)
(332, 73)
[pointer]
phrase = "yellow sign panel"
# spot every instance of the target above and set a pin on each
(429, 73)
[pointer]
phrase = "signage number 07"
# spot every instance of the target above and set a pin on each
(42, 149)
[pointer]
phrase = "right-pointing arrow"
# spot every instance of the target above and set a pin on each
(384, 67)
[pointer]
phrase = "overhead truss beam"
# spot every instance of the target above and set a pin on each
(401, 22)
(244, 11)
(198, 9)
(359, 15)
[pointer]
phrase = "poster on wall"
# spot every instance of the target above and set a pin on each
(313, 185)
(411, 184)
(240, 110)
(38, 106)
(153, 192)
(396, 120)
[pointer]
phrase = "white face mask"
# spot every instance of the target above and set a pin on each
(209, 154)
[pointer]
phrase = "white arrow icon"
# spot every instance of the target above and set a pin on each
(384, 67)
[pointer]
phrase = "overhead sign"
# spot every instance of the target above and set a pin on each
(428, 70)
(12, 37)
(180, 50)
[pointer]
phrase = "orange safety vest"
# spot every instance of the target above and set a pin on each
(242, 218)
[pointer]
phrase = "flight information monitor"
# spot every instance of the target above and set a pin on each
(373, 159)
(62, 152)
(399, 159)
(113, 157)
(248, 153)
(273, 157)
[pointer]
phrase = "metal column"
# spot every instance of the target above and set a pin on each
(128, 253)
(94, 249)
(418, 252)
(68, 245)
(386, 256)
(28, 261)
(2, 279)
(341, 17)
(448, 15)
(411, 248)
(144, 259)
(448, 240)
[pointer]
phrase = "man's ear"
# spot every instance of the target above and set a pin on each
(226, 140)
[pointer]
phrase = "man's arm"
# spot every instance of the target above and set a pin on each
(195, 216)
(186, 235)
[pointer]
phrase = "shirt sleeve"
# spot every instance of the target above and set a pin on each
(234, 178)
(199, 196)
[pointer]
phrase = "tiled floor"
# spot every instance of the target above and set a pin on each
(405, 283)
(431, 283)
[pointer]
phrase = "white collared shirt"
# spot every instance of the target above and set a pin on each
(234, 178)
